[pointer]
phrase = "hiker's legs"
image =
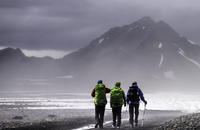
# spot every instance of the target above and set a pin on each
(136, 112)
(131, 114)
(114, 112)
(97, 115)
(119, 109)
(102, 110)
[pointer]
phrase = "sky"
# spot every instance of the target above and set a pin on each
(62, 26)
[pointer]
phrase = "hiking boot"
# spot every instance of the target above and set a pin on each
(96, 126)
(136, 124)
(132, 125)
(101, 126)
(114, 126)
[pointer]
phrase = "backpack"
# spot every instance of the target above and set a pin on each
(100, 95)
(116, 97)
(134, 95)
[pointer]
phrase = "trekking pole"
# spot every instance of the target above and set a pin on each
(143, 115)
(126, 112)
(127, 115)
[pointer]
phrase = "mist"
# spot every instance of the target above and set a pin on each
(148, 51)
(53, 53)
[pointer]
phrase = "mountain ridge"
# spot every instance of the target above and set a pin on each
(145, 50)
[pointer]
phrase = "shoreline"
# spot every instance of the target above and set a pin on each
(74, 119)
(52, 125)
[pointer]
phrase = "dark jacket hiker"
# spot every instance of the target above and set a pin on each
(100, 101)
(117, 100)
(134, 95)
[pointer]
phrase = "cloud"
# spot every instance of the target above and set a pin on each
(66, 77)
(42, 53)
(72, 24)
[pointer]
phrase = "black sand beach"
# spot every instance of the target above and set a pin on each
(152, 120)
(44, 119)
(74, 119)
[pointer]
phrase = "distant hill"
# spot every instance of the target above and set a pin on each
(18, 70)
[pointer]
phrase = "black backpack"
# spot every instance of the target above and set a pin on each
(134, 95)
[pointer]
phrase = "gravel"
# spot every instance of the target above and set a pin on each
(186, 122)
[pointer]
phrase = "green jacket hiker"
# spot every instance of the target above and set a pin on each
(99, 94)
(100, 101)
(117, 96)
(117, 100)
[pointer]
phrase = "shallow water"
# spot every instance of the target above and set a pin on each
(61, 100)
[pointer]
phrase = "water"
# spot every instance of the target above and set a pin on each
(38, 100)
(62, 100)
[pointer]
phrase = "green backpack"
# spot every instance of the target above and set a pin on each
(100, 95)
(116, 97)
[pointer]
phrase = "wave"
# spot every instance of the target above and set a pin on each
(157, 101)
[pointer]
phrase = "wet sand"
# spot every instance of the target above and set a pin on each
(74, 119)
(44, 119)
(152, 120)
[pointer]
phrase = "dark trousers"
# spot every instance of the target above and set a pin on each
(116, 111)
(99, 115)
(133, 108)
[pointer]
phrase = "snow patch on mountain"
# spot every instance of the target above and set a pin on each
(181, 52)
(100, 41)
(132, 28)
(169, 74)
(160, 45)
(161, 60)
(190, 41)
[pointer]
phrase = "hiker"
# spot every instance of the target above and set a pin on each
(117, 100)
(100, 101)
(134, 95)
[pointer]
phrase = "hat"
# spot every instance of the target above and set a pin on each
(117, 84)
(99, 82)
(134, 84)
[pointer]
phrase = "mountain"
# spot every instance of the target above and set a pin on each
(19, 71)
(150, 52)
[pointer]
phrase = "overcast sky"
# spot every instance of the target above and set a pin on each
(71, 24)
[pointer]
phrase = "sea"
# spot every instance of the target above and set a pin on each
(64, 100)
